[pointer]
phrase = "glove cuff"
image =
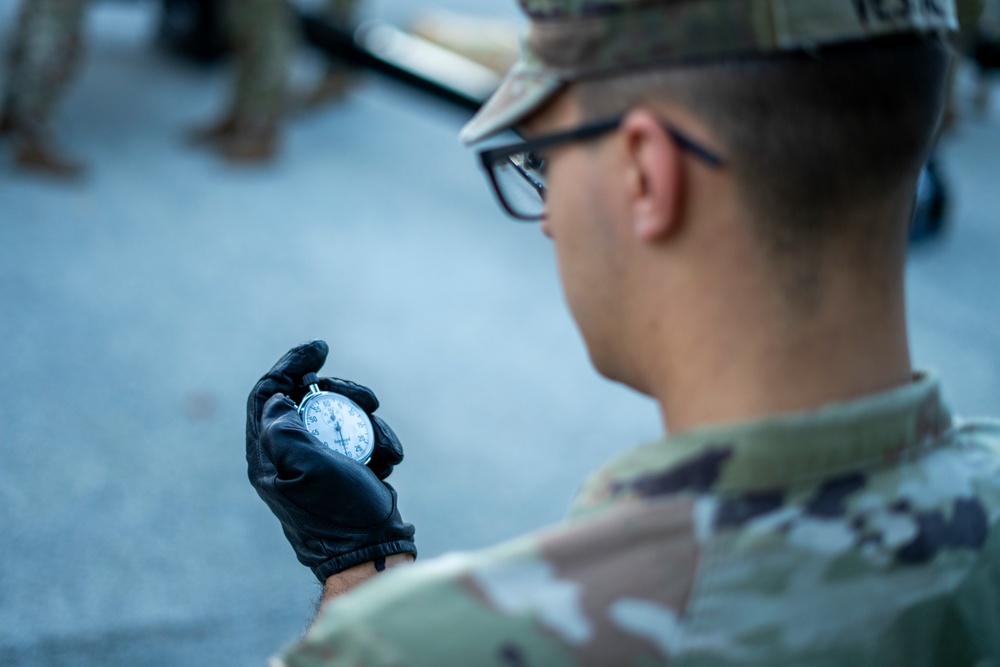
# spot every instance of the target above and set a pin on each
(384, 550)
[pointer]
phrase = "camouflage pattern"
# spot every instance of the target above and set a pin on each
(341, 12)
(569, 40)
(864, 533)
(44, 54)
(264, 36)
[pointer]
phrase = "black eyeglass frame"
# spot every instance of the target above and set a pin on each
(490, 156)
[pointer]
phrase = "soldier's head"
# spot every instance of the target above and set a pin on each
(699, 139)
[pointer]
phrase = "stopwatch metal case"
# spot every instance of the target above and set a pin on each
(337, 422)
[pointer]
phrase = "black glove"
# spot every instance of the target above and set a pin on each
(336, 512)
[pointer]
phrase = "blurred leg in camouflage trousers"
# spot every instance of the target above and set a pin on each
(43, 56)
(337, 77)
(986, 53)
(264, 36)
(975, 43)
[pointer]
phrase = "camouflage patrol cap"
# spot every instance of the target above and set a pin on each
(570, 40)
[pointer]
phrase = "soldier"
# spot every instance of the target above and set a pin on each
(979, 23)
(337, 77)
(264, 34)
(43, 56)
(986, 54)
(731, 184)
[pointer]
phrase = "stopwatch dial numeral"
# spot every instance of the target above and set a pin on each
(339, 425)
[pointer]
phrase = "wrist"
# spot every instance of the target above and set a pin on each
(352, 577)
(362, 556)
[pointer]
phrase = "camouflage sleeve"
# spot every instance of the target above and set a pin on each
(587, 593)
(429, 614)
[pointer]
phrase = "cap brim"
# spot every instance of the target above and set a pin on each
(522, 92)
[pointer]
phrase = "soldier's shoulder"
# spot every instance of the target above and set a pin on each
(394, 618)
(587, 590)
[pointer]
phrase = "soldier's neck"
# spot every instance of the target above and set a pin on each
(730, 354)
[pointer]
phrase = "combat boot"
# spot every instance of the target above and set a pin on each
(212, 133)
(35, 152)
(40, 158)
(334, 86)
(251, 143)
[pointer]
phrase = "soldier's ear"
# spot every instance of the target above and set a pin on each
(655, 176)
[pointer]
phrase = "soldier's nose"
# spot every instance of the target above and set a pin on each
(546, 228)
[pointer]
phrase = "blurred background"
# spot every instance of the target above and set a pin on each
(141, 298)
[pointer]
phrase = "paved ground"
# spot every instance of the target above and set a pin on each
(139, 308)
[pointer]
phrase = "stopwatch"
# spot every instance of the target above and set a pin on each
(337, 421)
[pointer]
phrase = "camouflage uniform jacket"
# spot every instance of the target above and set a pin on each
(864, 533)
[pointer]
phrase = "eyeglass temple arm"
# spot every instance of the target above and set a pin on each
(692, 147)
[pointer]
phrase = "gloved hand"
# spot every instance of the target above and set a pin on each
(336, 512)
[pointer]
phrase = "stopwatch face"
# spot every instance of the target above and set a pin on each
(340, 424)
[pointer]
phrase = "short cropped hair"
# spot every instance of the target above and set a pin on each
(810, 136)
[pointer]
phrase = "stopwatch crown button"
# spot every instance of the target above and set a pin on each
(309, 378)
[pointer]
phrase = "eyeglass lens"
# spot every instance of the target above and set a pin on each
(520, 178)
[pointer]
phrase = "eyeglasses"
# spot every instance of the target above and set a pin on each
(517, 171)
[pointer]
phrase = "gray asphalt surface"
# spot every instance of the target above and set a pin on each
(140, 306)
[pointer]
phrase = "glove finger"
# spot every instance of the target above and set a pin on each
(260, 462)
(283, 378)
(284, 439)
(358, 393)
(287, 373)
(388, 451)
(317, 479)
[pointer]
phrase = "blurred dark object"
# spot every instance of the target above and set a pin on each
(978, 44)
(986, 54)
(931, 207)
(192, 29)
(43, 57)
